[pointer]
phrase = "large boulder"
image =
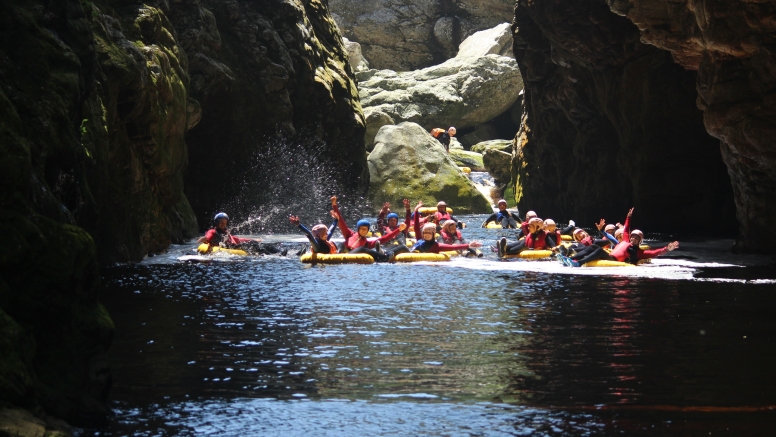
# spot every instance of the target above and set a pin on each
(494, 41)
(402, 35)
(357, 60)
(375, 119)
(500, 145)
(465, 158)
(461, 92)
(498, 164)
(407, 162)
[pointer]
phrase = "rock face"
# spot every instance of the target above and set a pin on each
(407, 162)
(461, 92)
(97, 102)
(500, 145)
(406, 35)
(375, 119)
(730, 43)
(262, 70)
(498, 164)
(356, 59)
(463, 158)
(611, 123)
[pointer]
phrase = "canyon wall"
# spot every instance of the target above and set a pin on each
(411, 34)
(98, 100)
(265, 72)
(611, 123)
(730, 44)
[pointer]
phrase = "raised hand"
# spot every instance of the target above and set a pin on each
(386, 207)
(600, 225)
(294, 219)
(406, 203)
(333, 200)
(630, 212)
(419, 205)
(334, 214)
(673, 246)
(402, 227)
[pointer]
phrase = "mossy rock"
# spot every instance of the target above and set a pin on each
(407, 162)
(464, 158)
(500, 145)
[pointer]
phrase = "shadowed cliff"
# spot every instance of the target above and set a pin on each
(611, 123)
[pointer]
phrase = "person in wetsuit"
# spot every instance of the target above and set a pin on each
(505, 218)
(388, 221)
(449, 234)
(445, 138)
(536, 239)
(426, 233)
(441, 215)
(319, 236)
(219, 235)
(357, 242)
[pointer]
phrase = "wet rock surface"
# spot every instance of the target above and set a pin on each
(98, 101)
(731, 46)
(408, 163)
(461, 92)
(611, 123)
(407, 35)
(261, 71)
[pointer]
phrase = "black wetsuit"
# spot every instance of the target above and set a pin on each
(519, 246)
(505, 218)
(319, 246)
(444, 138)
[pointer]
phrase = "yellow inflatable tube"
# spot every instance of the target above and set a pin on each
(203, 249)
(432, 209)
(415, 257)
(606, 263)
(567, 238)
(336, 258)
(466, 170)
(531, 254)
(494, 225)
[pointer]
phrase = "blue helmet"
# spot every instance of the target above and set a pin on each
(219, 216)
(363, 222)
(392, 215)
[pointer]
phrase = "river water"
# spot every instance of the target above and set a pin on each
(472, 347)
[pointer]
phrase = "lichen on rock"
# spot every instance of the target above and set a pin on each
(407, 162)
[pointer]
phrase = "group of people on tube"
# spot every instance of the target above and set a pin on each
(614, 243)
(440, 232)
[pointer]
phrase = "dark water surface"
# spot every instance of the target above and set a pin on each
(268, 346)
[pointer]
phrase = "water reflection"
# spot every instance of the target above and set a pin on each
(271, 346)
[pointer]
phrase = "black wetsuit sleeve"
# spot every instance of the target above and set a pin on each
(516, 217)
(491, 218)
(332, 228)
(313, 242)
(603, 242)
(567, 230)
(550, 241)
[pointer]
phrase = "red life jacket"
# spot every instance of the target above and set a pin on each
(451, 239)
(355, 241)
(441, 217)
(332, 247)
(436, 131)
(536, 241)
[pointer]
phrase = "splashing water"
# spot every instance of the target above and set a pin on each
(290, 177)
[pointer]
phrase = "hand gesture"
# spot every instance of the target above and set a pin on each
(630, 212)
(402, 227)
(600, 225)
(333, 200)
(334, 214)
(386, 207)
(672, 246)
(406, 203)
(419, 205)
(475, 244)
(294, 219)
